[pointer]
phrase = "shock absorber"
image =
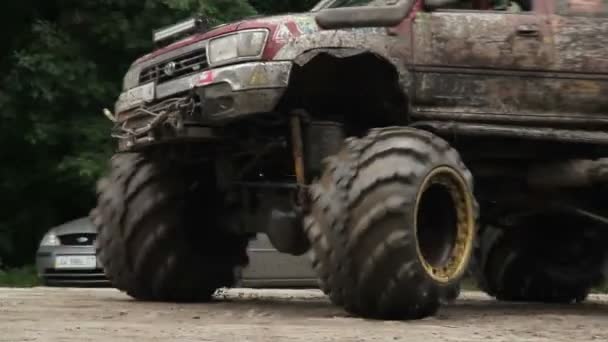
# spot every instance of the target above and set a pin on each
(312, 142)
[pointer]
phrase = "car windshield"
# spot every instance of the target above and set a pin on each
(353, 3)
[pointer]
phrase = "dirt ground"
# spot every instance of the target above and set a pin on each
(60, 314)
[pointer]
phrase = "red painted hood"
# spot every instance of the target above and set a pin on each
(281, 27)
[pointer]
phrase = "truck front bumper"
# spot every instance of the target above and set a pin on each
(194, 103)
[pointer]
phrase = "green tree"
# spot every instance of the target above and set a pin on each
(63, 61)
(282, 6)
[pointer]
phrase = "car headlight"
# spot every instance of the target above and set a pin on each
(245, 44)
(50, 239)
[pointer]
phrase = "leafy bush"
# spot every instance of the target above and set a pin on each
(19, 277)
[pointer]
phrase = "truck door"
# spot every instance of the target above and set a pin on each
(480, 61)
(580, 29)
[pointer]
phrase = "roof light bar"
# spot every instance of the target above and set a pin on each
(186, 26)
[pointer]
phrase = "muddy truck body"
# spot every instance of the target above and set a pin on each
(401, 144)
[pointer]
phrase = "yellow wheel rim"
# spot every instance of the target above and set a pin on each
(453, 264)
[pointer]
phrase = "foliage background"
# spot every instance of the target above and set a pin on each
(61, 62)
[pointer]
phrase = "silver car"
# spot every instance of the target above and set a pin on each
(269, 268)
(66, 256)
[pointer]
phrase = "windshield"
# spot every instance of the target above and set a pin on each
(353, 3)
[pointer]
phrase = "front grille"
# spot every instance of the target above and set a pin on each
(77, 239)
(189, 63)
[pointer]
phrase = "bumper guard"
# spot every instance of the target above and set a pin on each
(188, 106)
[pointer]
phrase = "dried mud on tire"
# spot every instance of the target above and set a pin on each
(155, 241)
(362, 223)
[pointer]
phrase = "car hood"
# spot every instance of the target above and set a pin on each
(79, 226)
(296, 23)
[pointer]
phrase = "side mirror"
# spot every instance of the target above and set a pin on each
(378, 16)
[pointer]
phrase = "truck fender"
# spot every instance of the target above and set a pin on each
(394, 49)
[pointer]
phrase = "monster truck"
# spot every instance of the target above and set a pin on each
(353, 133)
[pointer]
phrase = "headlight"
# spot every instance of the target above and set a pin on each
(245, 44)
(50, 239)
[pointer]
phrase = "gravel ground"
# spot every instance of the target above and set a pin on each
(65, 314)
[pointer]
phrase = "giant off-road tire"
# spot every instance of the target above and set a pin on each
(392, 224)
(158, 238)
(514, 266)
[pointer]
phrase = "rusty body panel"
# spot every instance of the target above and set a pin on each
(469, 60)
(532, 67)
(581, 56)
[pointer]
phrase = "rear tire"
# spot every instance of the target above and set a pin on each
(158, 239)
(514, 269)
(392, 224)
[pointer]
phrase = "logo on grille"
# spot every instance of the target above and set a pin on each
(82, 239)
(169, 68)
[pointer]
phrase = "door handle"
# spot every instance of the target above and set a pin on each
(528, 31)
